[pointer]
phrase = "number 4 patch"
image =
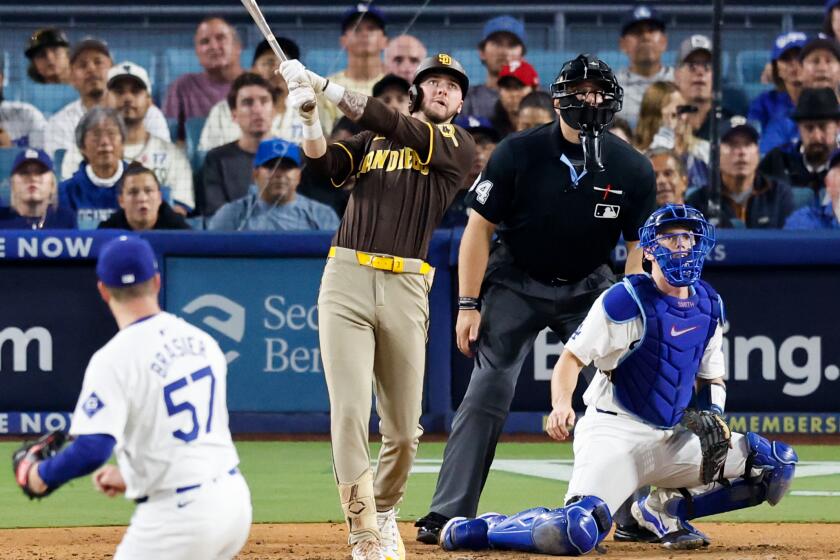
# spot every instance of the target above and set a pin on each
(482, 191)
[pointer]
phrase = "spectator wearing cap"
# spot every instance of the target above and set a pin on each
(535, 109)
(141, 203)
(21, 124)
(220, 127)
(831, 20)
(392, 90)
(748, 199)
(786, 74)
(218, 48)
(227, 169)
(129, 90)
(516, 80)
(486, 138)
(363, 38)
(693, 77)
(664, 124)
(34, 195)
(48, 51)
(403, 55)
(671, 176)
(92, 190)
(90, 61)
(825, 215)
(503, 42)
(820, 59)
(273, 203)
(644, 41)
(805, 162)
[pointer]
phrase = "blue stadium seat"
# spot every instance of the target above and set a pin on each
(7, 157)
(194, 127)
(325, 61)
(614, 59)
(58, 158)
(803, 196)
(547, 63)
(48, 98)
(754, 89)
(750, 64)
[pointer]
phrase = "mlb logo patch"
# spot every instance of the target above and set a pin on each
(609, 211)
(93, 404)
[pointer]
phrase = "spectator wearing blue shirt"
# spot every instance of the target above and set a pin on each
(825, 215)
(92, 190)
(273, 203)
(786, 72)
(34, 196)
(820, 59)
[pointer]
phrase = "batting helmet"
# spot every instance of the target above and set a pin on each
(441, 63)
(680, 267)
(576, 111)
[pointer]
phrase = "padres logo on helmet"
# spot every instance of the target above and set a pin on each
(444, 58)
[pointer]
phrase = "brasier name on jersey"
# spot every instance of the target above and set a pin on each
(173, 349)
(392, 160)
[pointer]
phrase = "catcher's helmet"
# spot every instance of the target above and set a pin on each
(577, 112)
(440, 63)
(680, 267)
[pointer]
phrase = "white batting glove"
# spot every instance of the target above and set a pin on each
(294, 73)
(299, 95)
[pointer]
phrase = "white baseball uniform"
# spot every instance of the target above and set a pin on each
(159, 388)
(616, 452)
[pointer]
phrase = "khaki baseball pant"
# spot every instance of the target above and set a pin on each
(373, 327)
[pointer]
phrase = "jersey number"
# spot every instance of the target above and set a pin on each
(174, 408)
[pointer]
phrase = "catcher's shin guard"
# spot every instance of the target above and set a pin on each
(514, 533)
(574, 529)
(461, 533)
(775, 463)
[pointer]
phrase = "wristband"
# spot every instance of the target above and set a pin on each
(468, 304)
(312, 131)
(333, 92)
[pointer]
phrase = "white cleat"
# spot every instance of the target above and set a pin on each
(367, 550)
(392, 543)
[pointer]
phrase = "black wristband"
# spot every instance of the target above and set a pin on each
(468, 304)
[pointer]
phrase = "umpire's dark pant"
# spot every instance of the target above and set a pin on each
(515, 308)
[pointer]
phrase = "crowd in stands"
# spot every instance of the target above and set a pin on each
(221, 153)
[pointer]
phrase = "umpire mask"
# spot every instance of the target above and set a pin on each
(588, 97)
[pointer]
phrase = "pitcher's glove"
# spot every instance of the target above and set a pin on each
(30, 453)
(714, 437)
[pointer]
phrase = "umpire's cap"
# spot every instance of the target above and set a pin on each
(444, 64)
(126, 261)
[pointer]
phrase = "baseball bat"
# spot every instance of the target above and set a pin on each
(257, 15)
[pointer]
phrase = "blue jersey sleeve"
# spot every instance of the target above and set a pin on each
(86, 454)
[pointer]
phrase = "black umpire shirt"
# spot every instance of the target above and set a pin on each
(559, 221)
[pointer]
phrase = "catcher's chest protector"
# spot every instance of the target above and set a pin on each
(655, 380)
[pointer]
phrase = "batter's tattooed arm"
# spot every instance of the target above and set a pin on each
(353, 104)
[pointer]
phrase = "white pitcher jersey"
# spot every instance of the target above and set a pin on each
(603, 341)
(159, 388)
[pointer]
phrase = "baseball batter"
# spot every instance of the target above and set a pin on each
(155, 394)
(373, 304)
(656, 341)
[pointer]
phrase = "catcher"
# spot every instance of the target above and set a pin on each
(155, 395)
(654, 412)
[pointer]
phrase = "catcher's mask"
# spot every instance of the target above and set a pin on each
(441, 63)
(588, 97)
(682, 265)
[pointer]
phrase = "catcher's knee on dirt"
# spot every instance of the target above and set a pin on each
(767, 477)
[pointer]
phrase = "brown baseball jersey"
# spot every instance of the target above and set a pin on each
(407, 174)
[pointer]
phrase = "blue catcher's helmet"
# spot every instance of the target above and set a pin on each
(680, 267)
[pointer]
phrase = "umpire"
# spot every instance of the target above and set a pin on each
(558, 196)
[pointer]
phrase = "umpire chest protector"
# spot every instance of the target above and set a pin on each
(655, 379)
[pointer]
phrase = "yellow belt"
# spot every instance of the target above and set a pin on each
(389, 263)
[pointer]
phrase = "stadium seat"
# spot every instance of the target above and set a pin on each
(173, 128)
(749, 65)
(48, 98)
(614, 59)
(7, 157)
(547, 63)
(803, 196)
(194, 127)
(754, 89)
(58, 159)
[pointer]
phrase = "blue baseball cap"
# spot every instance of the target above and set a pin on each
(274, 148)
(639, 14)
(125, 261)
(504, 24)
(362, 10)
(481, 125)
(32, 154)
(787, 41)
(830, 5)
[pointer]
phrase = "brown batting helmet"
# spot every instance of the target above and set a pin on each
(440, 63)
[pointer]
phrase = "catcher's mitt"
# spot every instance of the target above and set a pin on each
(30, 453)
(714, 437)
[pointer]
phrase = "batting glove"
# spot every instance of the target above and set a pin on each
(300, 95)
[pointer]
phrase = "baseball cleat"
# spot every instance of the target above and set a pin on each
(391, 541)
(369, 549)
(671, 532)
(429, 527)
(633, 532)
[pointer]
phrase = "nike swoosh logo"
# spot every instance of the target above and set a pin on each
(185, 504)
(675, 332)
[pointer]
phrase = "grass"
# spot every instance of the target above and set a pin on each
(293, 482)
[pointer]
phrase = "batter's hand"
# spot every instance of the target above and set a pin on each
(109, 480)
(301, 96)
(466, 331)
(560, 422)
(296, 73)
